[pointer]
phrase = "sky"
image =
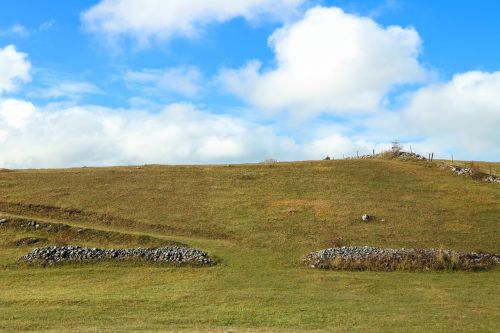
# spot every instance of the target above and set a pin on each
(120, 82)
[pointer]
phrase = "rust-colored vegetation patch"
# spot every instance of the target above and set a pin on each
(287, 207)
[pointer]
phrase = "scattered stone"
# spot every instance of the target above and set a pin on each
(31, 224)
(56, 254)
(365, 217)
(372, 258)
(2, 221)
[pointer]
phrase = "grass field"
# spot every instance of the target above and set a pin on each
(258, 220)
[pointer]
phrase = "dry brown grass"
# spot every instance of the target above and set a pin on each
(286, 207)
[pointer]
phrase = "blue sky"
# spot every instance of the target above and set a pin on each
(113, 82)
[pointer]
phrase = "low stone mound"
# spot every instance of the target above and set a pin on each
(380, 259)
(464, 171)
(399, 155)
(58, 254)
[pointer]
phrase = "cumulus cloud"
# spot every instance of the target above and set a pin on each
(14, 68)
(330, 61)
(184, 80)
(461, 115)
(161, 19)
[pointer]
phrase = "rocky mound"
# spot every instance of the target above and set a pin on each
(471, 172)
(399, 155)
(57, 254)
(372, 258)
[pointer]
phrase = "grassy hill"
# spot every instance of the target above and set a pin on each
(258, 220)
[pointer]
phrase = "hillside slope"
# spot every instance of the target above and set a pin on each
(259, 220)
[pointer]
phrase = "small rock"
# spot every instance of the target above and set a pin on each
(365, 217)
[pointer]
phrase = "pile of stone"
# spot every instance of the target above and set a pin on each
(373, 258)
(57, 254)
(492, 179)
(461, 171)
(400, 155)
(464, 171)
(404, 155)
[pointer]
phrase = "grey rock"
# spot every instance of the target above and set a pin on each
(365, 217)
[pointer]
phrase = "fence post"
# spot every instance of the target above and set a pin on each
(373, 152)
(357, 153)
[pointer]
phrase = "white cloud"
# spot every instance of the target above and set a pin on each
(17, 30)
(92, 135)
(338, 146)
(162, 19)
(67, 89)
(184, 80)
(47, 25)
(462, 115)
(330, 61)
(14, 68)
(16, 113)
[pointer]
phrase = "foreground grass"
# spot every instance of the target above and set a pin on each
(259, 220)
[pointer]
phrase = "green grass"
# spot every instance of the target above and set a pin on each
(258, 220)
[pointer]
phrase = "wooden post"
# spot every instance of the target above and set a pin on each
(373, 152)
(411, 151)
(357, 153)
(432, 157)
(451, 158)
